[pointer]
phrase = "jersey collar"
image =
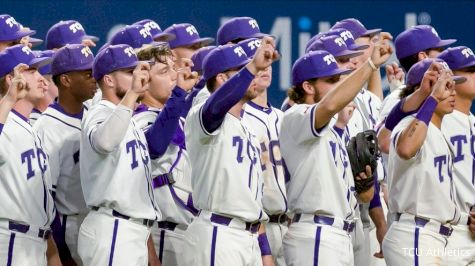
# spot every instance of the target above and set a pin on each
(266, 110)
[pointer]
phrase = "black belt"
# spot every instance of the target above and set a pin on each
(279, 218)
(318, 219)
(146, 222)
(421, 222)
(167, 225)
(219, 219)
(162, 180)
(24, 228)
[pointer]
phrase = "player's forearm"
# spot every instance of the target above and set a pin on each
(337, 98)
(384, 139)
(377, 216)
(375, 84)
(224, 98)
(163, 129)
(414, 101)
(52, 253)
(6, 105)
(108, 135)
(366, 196)
(130, 99)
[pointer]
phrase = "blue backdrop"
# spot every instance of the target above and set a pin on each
(293, 22)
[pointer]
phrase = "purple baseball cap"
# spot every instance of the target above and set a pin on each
(112, 58)
(155, 30)
(186, 35)
(458, 57)
(199, 56)
(238, 28)
(355, 27)
(348, 37)
(35, 41)
(417, 71)
(223, 58)
(72, 57)
(250, 46)
(315, 64)
(417, 39)
(334, 45)
(66, 32)
(17, 54)
(133, 35)
(46, 69)
(10, 30)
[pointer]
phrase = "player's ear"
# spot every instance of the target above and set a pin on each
(65, 81)
(422, 55)
(108, 80)
(308, 88)
(220, 79)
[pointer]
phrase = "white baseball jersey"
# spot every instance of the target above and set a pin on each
(121, 179)
(321, 178)
(201, 97)
(24, 186)
(227, 174)
(423, 185)
(366, 113)
(265, 125)
(459, 129)
(60, 133)
(34, 116)
(172, 201)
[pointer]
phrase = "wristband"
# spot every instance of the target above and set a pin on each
(396, 115)
(372, 65)
(264, 244)
(1, 128)
(427, 109)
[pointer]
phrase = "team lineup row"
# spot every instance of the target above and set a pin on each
(164, 150)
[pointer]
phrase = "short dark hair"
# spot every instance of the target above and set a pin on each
(408, 61)
(408, 90)
(210, 84)
(3, 86)
(296, 93)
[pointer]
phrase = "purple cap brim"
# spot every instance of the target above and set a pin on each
(335, 72)
(164, 36)
(19, 34)
(202, 41)
(35, 41)
(348, 54)
(443, 43)
(131, 65)
(371, 32)
(459, 79)
(358, 47)
(91, 37)
(40, 61)
(242, 64)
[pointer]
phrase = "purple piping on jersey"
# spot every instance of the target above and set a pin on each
(10, 249)
(140, 109)
(376, 201)
(416, 247)
(60, 109)
(36, 111)
(338, 130)
(317, 246)
(200, 118)
(67, 124)
(20, 116)
(162, 242)
(114, 238)
(373, 121)
(271, 154)
(1, 128)
(267, 110)
(250, 175)
(213, 245)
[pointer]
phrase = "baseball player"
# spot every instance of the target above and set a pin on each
(157, 34)
(115, 165)
(135, 36)
(59, 129)
(337, 47)
(11, 32)
(225, 158)
(458, 128)
(68, 32)
(199, 93)
(320, 224)
(164, 101)
(238, 29)
(27, 209)
(264, 121)
(420, 156)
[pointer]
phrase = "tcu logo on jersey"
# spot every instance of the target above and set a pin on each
(11, 22)
(129, 51)
(239, 51)
(191, 30)
(253, 23)
(346, 35)
(86, 51)
(467, 52)
(253, 45)
(329, 59)
(339, 42)
(26, 50)
(28, 156)
(132, 147)
(145, 32)
(75, 27)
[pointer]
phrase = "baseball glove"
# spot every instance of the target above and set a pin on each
(363, 150)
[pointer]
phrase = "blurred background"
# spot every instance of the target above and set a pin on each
(292, 22)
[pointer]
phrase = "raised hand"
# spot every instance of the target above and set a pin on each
(186, 78)
(345, 115)
(265, 55)
(382, 50)
(443, 86)
(18, 87)
(394, 74)
(141, 77)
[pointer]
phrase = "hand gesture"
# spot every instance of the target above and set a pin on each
(430, 77)
(345, 115)
(395, 75)
(382, 50)
(18, 87)
(265, 55)
(141, 77)
(444, 86)
(186, 78)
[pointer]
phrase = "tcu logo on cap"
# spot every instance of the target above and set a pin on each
(151, 25)
(10, 22)
(239, 51)
(346, 35)
(254, 44)
(86, 51)
(191, 30)
(129, 51)
(339, 41)
(467, 52)
(329, 59)
(145, 32)
(26, 50)
(75, 27)
(444, 65)
(253, 23)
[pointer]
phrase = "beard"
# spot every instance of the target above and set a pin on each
(250, 95)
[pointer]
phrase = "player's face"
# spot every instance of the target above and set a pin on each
(83, 85)
(123, 81)
(361, 59)
(52, 89)
(263, 79)
(36, 84)
(162, 80)
(466, 90)
(184, 52)
(346, 63)
(324, 85)
(446, 106)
